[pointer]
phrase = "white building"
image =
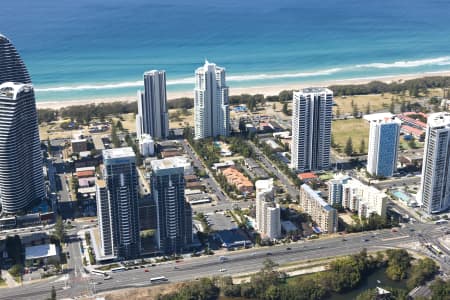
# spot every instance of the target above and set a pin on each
(335, 188)
(211, 114)
(21, 173)
(383, 144)
(153, 117)
(311, 129)
(146, 145)
(434, 194)
(320, 211)
(365, 199)
(268, 216)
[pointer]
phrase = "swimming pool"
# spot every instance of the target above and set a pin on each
(402, 196)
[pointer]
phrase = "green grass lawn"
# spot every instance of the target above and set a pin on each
(357, 129)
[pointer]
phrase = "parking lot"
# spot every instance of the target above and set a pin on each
(218, 221)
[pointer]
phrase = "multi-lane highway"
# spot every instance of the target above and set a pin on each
(244, 261)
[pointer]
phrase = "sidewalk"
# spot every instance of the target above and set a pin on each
(10, 282)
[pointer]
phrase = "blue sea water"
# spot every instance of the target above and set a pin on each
(100, 48)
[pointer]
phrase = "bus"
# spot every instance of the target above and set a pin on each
(434, 249)
(119, 269)
(100, 273)
(441, 222)
(158, 279)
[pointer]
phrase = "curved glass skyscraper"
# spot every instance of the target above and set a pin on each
(21, 176)
(12, 67)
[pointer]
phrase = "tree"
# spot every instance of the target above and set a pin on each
(14, 249)
(368, 109)
(348, 150)
(355, 111)
(412, 143)
(60, 231)
(398, 264)
(392, 106)
(285, 109)
(52, 294)
(421, 272)
(403, 106)
(114, 137)
(362, 147)
(440, 289)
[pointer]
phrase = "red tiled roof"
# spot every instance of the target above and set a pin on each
(308, 175)
(411, 130)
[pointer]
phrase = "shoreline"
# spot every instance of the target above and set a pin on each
(266, 90)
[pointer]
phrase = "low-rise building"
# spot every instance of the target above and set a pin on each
(78, 145)
(46, 253)
(236, 178)
(322, 213)
(365, 199)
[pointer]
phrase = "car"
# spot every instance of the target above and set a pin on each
(146, 270)
(175, 268)
(222, 270)
(344, 240)
(288, 248)
(269, 253)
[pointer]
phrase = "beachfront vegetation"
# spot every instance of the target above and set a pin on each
(413, 86)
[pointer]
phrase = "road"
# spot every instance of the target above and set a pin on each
(290, 187)
(244, 261)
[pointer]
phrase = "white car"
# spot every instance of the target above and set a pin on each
(222, 270)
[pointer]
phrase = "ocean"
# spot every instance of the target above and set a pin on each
(100, 48)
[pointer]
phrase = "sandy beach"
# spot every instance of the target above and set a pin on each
(265, 90)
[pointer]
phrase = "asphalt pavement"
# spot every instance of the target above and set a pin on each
(238, 262)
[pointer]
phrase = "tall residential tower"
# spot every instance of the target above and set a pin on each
(117, 204)
(21, 175)
(311, 129)
(268, 215)
(174, 231)
(152, 117)
(211, 114)
(434, 192)
(383, 144)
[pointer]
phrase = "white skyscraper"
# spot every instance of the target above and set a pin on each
(311, 129)
(383, 144)
(435, 184)
(211, 114)
(21, 174)
(117, 198)
(267, 212)
(152, 117)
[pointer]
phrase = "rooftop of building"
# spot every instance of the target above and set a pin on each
(40, 251)
(151, 72)
(124, 152)
(266, 184)
(101, 183)
(439, 119)
(382, 118)
(307, 176)
(169, 163)
(412, 130)
(316, 197)
(11, 89)
(316, 90)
